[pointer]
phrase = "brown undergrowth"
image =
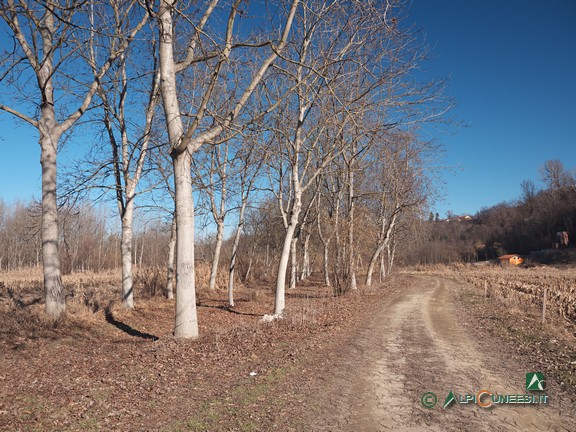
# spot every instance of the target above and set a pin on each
(104, 368)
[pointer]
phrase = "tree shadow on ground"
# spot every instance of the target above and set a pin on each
(20, 301)
(306, 295)
(228, 309)
(127, 329)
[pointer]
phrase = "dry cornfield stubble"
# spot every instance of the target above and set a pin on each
(522, 287)
(510, 302)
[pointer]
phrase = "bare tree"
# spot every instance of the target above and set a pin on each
(249, 161)
(328, 217)
(528, 194)
(129, 135)
(402, 186)
(306, 229)
(335, 65)
(351, 161)
(555, 175)
(47, 37)
(163, 197)
(208, 49)
(213, 181)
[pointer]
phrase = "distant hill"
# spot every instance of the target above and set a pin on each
(528, 226)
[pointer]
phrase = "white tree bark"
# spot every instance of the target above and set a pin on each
(305, 274)
(382, 268)
(54, 291)
(251, 164)
(127, 174)
(387, 226)
(171, 262)
(186, 319)
(391, 249)
(334, 215)
(232, 267)
(280, 297)
(126, 253)
(326, 267)
(218, 212)
(184, 143)
(49, 136)
(351, 222)
(217, 250)
(294, 262)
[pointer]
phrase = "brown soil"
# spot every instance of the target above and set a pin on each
(355, 363)
(421, 341)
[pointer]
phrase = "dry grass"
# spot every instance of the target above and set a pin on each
(89, 296)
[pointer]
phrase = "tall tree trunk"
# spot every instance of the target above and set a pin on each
(373, 262)
(126, 251)
(391, 248)
(216, 259)
(50, 134)
(267, 262)
(387, 226)
(249, 269)
(325, 244)
(326, 266)
(279, 300)
(305, 258)
(351, 263)
(186, 321)
(135, 250)
(234, 252)
(141, 250)
(171, 261)
(339, 260)
(183, 145)
(54, 290)
(294, 262)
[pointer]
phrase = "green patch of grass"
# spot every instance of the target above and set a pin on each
(470, 297)
(241, 399)
(525, 338)
(248, 427)
(89, 425)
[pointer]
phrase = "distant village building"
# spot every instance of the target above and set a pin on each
(561, 239)
(510, 259)
(465, 218)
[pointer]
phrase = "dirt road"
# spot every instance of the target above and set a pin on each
(420, 342)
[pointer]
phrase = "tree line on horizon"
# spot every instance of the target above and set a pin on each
(525, 225)
(301, 115)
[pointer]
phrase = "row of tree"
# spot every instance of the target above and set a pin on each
(313, 101)
(528, 224)
(87, 241)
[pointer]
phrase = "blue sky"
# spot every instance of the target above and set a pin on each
(512, 69)
(511, 65)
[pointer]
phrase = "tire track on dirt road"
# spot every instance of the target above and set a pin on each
(416, 344)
